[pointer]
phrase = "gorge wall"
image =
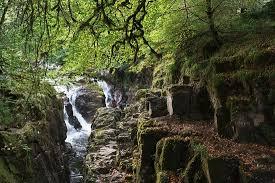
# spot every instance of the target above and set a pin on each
(212, 129)
(36, 152)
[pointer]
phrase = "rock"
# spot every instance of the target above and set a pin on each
(75, 123)
(100, 161)
(147, 141)
(69, 148)
(71, 118)
(36, 153)
(194, 171)
(240, 120)
(222, 122)
(178, 100)
(106, 117)
(244, 130)
(223, 170)
(186, 102)
(69, 108)
(157, 106)
(87, 102)
(162, 177)
(172, 154)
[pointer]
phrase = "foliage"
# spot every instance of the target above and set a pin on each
(5, 112)
(86, 37)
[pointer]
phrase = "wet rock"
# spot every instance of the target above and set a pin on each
(75, 123)
(87, 102)
(102, 146)
(71, 118)
(69, 148)
(69, 108)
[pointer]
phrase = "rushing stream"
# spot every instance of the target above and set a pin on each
(78, 138)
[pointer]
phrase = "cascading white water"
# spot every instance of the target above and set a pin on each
(107, 90)
(77, 138)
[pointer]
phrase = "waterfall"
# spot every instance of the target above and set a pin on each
(107, 90)
(77, 138)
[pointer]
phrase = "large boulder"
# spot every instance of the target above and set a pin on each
(157, 106)
(249, 124)
(75, 122)
(172, 154)
(148, 138)
(71, 118)
(87, 102)
(223, 170)
(188, 102)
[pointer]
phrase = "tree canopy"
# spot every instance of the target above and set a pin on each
(90, 36)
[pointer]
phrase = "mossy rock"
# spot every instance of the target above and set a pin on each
(7, 176)
(145, 123)
(162, 177)
(163, 72)
(16, 162)
(223, 122)
(172, 154)
(223, 170)
(266, 133)
(106, 117)
(194, 172)
(141, 93)
(147, 141)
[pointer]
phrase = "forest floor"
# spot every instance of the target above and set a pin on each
(255, 158)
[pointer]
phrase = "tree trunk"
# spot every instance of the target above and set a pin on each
(211, 23)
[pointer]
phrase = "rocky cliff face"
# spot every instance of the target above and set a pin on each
(108, 146)
(214, 125)
(145, 143)
(35, 153)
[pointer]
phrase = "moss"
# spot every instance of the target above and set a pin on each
(17, 159)
(6, 176)
(162, 177)
(6, 117)
(95, 87)
(163, 72)
(194, 172)
(267, 131)
(147, 140)
(141, 93)
(219, 86)
(32, 132)
(237, 104)
(99, 134)
(196, 168)
(172, 154)
(144, 123)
